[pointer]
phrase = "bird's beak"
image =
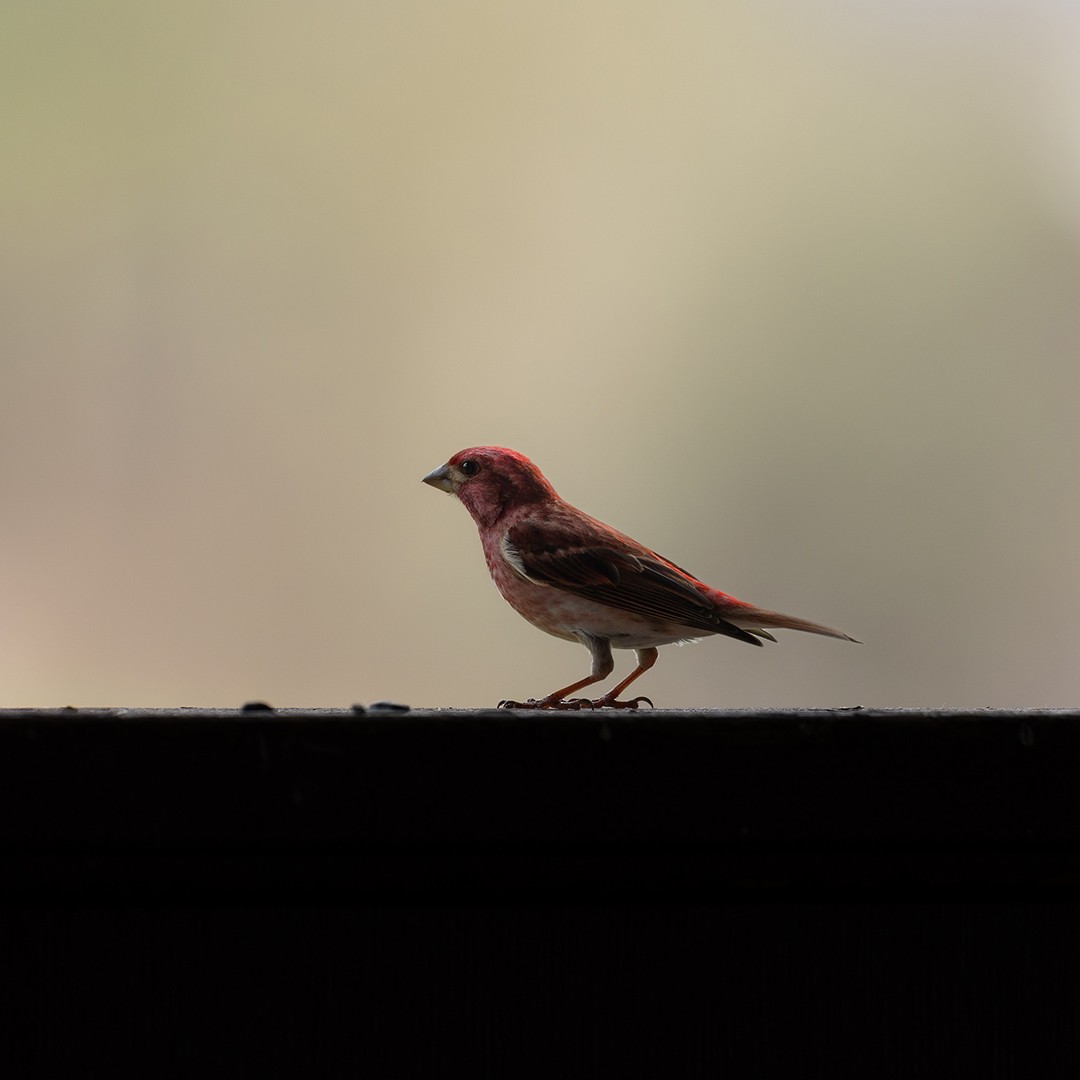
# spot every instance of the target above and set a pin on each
(443, 478)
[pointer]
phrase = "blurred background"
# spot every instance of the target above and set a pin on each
(788, 290)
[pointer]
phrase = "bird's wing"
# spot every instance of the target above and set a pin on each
(587, 558)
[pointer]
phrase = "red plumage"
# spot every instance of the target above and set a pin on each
(576, 578)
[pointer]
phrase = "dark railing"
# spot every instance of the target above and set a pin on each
(507, 894)
(713, 805)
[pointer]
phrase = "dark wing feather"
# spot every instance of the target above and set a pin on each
(593, 567)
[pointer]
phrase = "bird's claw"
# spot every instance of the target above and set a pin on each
(611, 703)
(575, 704)
(547, 703)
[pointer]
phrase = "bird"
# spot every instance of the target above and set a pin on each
(578, 579)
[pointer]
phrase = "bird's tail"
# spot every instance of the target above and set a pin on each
(757, 621)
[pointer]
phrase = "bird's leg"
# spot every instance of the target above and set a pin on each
(645, 660)
(602, 666)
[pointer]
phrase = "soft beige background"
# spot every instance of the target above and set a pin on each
(788, 290)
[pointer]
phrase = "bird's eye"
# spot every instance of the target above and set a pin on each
(470, 467)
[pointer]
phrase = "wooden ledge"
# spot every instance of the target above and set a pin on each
(458, 803)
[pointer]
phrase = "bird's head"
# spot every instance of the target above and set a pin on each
(490, 480)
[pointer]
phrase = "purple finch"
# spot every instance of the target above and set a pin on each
(578, 579)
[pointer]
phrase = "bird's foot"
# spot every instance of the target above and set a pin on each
(611, 703)
(575, 704)
(548, 703)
